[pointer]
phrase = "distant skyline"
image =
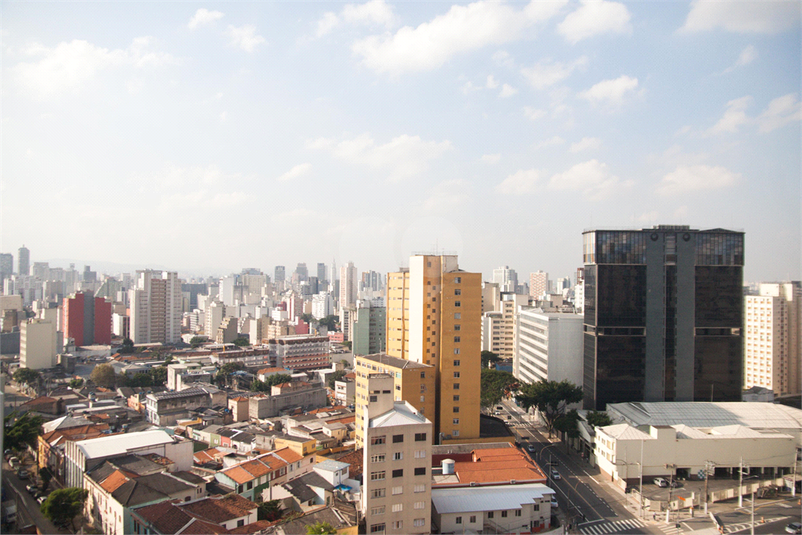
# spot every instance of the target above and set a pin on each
(206, 138)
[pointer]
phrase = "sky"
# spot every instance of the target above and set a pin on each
(210, 137)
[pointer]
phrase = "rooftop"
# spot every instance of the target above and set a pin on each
(118, 444)
(387, 360)
(402, 413)
(709, 414)
(467, 499)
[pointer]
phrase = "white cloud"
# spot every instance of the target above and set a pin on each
(747, 56)
(469, 87)
(403, 156)
(519, 183)
(244, 37)
(733, 118)
(502, 57)
(70, 65)
(591, 178)
(490, 158)
(202, 17)
(507, 91)
(689, 178)
(297, 171)
(492, 83)
(611, 91)
(547, 73)
(461, 29)
(533, 114)
(375, 12)
(585, 143)
(595, 17)
(742, 16)
(780, 112)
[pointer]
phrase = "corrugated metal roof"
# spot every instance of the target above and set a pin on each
(467, 499)
(707, 414)
(116, 444)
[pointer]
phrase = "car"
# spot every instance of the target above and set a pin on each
(660, 482)
(13, 462)
(22, 474)
(530, 448)
(499, 407)
(794, 527)
(41, 499)
(555, 474)
(554, 503)
(496, 413)
(31, 488)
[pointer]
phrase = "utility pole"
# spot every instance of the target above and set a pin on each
(670, 488)
(640, 481)
(741, 482)
(708, 465)
(753, 512)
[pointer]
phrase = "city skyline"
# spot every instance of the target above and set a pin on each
(162, 135)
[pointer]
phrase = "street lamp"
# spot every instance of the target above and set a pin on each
(540, 453)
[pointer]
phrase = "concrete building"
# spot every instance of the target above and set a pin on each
(24, 261)
(156, 307)
(322, 305)
(773, 349)
(286, 398)
(434, 317)
(538, 284)
(506, 278)
(300, 352)
(369, 330)
(396, 489)
(663, 315)
(349, 285)
(227, 331)
(214, 314)
(6, 265)
(498, 328)
(38, 344)
(491, 297)
(87, 319)
(548, 346)
(165, 408)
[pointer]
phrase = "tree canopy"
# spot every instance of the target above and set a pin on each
(550, 398)
(197, 341)
(226, 370)
(270, 510)
(242, 342)
(331, 322)
(23, 432)
(336, 376)
(76, 383)
(320, 528)
(270, 381)
(598, 419)
(568, 424)
(104, 375)
(489, 357)
(27, 376)
(63, 505)
(495, 385)
(127, 347)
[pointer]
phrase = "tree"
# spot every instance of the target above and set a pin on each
(63, 505)
(495, 384)
(77, 383)
(128, 347)
(159, 375)
(598, 419)
(347, 344)
(104, 375)
(27, 376)
(336, 376)
(270, 510)
(550, 398)
(308, 318)
(142, 380)
(330, 322)
(345, 363)
(270, 381)
(489, 357)
(46, 476)
(568, 424)
(23, 432)
(242, 342)
(225, 371)
(320, 528)
(197, 341)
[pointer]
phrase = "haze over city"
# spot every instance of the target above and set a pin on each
(204, 138)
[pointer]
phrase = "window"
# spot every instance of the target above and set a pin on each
(490, 514)
(249, 485)
(419, 488)
(456, 339)
(457, 280)
(456, 375)
(398, 507)
(455, 432)
(420, 437)
(398, 473)
(456, 351)
(455, 421)
(457, 292)
(398, 490)
(459, 520)
(457, 304)
(377, 458)
(374, 398)
(377, 528)
(240, 523)
(472, 519)
(378, 493)
(377, 510)
(457, 316)
(454, 409)
(418, 522)
(420, 471)
(456, 386)
(397, 456)
(420, 454)
(456, 397)
(375, 441)
(423, 388)
(503, 514)
(398, 438)
(517, 512)
(456, 363)
(377, 476)
(457, 327)
(398, 524)
(423, 375)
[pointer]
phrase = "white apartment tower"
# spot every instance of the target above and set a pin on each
(397, 488)
(498, 328)
(772, 352)
(156, 307)
(349, 285)
(506, 278)
(548, 346)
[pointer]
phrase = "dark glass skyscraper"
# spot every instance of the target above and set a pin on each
(663, 315)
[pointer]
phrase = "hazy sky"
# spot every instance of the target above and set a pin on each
(229, 135)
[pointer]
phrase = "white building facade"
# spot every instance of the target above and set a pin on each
(548, 346)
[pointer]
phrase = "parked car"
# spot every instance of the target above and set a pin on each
(31, 488)
(41, 499)
(554, 503)
(794, 527)
(555, 474)
(499, 408)
(530, 448)
(22, 474)
(661, 482)
(13, 462)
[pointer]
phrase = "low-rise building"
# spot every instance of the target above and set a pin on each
(165, 408)
(214, 514)
(287, 397)
(301, 352)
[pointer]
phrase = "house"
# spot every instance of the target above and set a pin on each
(209, 515)
(255, 478)
(341, 515)
(51, 445)
(304, 493)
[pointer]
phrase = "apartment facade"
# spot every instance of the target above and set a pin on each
(548, 346)
(369, 333)
(434, 318)
(772, 350)
(38, 344)
(156, 307)
(498, 328)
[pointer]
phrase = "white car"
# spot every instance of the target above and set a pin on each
(555, 474)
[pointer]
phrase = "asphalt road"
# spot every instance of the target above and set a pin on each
(27, 507)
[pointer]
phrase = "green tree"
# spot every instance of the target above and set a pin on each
(598, 419)
(495, 384)
(242, 342)
(568, 424)
(320, 528)
(142, 380)
(22, 432)
(336, 376)
(225, 371)
(345, 363)
(550, 398)
(308, 318)
(127, 347)
(270, 381)
(270, 510)
(489, 357)
(46, 475)
(104, 375)
(27, 376)
(197, 341)
(63, 505)
(331, 322)
(159, 375)
(77, 383)
(347, 344)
